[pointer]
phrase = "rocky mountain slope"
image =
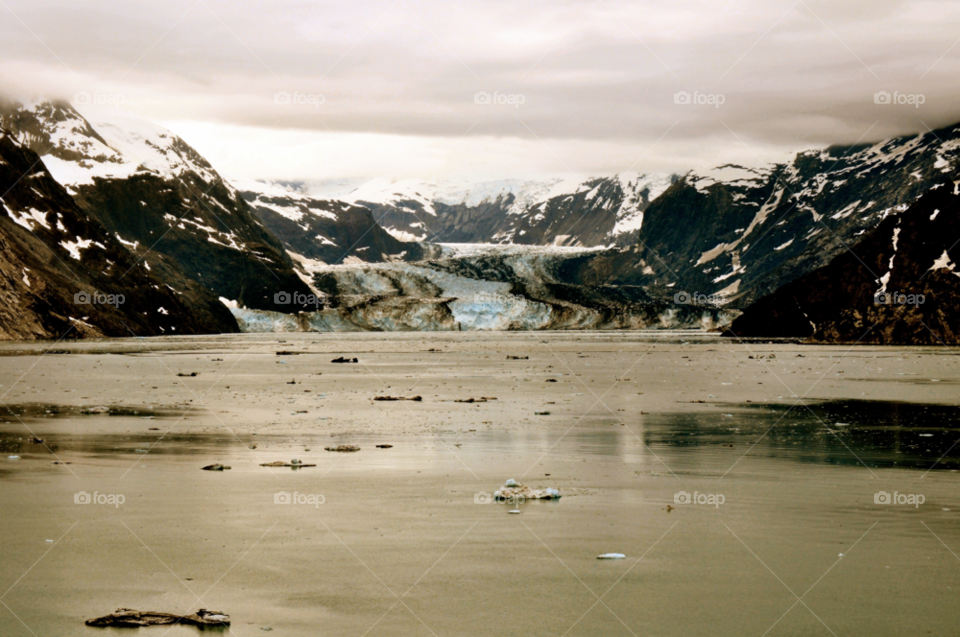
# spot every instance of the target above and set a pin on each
(159, 197)
(898, 284)
(736, 234)
(569, 212)
(327, 231)
(64, 275)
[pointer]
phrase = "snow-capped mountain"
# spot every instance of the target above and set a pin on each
(899, 283)
(559, 211)
(64, 275)
(327, 231)
(595, 212)
(738, 233)
(160, 197)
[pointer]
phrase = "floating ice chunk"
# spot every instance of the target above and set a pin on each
(511, 483)
(514, 511)
(612, 556)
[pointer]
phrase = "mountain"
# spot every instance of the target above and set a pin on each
(596, 212)
(64, 275)
(897, 285)
(159, 197)
(736, 234)
(326, 231)
(573, 212)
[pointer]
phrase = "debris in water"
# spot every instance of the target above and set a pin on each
(513, 491)
(384, 446)
(517, 358)
(190, 375)
(215, 467)
(128, 618)
(414, 398)
(343, 448)
(341, 359)
(280, 463)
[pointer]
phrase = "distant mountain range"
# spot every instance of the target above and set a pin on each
(651, 250)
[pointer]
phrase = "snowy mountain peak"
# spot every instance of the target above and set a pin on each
(110, 145)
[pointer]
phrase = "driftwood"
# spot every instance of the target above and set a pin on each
(414, 398)
(341, 359)
(128, 618)
(344, 448)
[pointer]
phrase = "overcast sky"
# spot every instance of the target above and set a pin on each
(490, 89)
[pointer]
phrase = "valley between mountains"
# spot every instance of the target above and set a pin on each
(117, 227)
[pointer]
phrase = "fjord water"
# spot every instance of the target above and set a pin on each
(745, 482)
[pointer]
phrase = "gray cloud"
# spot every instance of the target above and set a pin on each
(596, 80)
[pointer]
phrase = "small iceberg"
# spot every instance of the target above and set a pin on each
(612, 556)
